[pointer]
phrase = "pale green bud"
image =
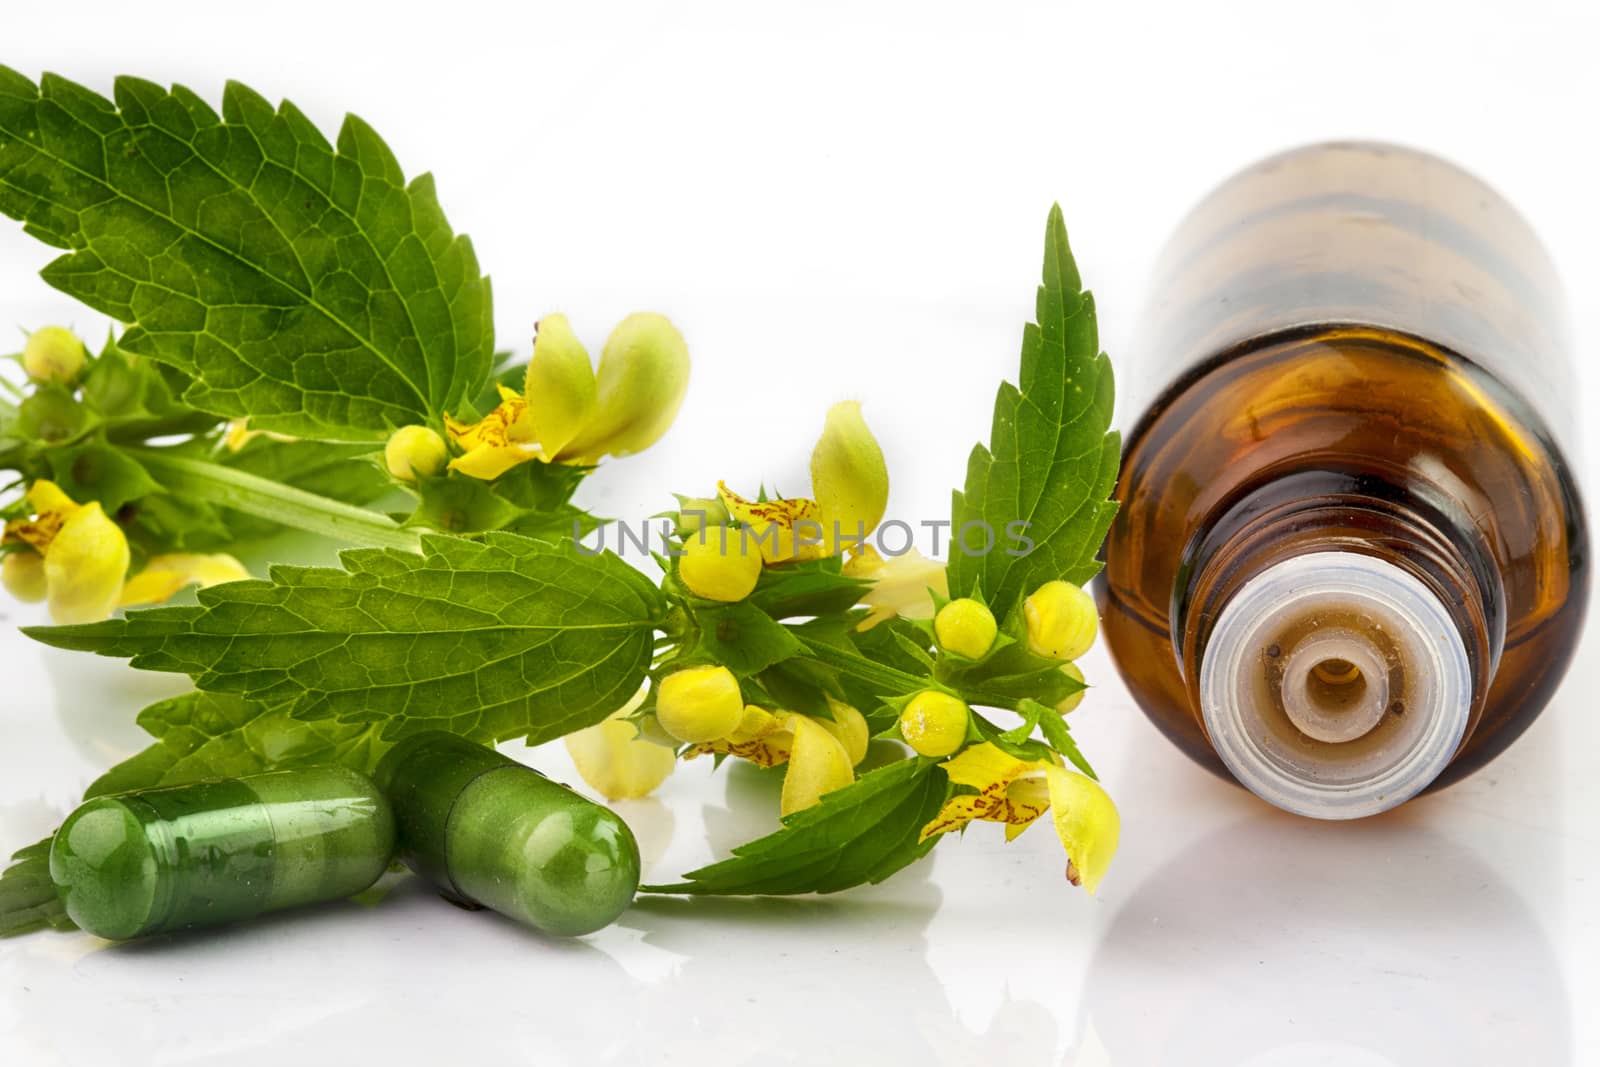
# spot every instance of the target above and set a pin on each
(54, 354)
(413, 452)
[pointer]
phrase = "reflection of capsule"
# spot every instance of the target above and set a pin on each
(215, 851)
(495, 833)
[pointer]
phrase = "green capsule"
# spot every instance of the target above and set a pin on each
(495, 833)
(215, 851)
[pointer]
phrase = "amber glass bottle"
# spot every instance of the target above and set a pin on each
(1351, 561)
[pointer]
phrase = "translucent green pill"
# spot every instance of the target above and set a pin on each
(193, 855)
(494, 833)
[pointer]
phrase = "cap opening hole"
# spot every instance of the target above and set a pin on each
(1335, 686)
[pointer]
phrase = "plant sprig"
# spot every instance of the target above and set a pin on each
(269, 280)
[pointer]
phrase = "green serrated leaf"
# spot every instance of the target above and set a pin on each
(739, 636)
(854, 836)
(28, 898)
(302, 283)
(809, 588)
(97, 471)
(1051, 461)
(507, 637)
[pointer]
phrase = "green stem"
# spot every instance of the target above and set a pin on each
(267, 499)
(887, 679)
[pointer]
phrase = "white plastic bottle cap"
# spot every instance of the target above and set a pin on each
(1335, 685)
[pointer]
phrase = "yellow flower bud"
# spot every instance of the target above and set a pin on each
(560, 387)
(818, 764)
(699, 704)
(23, 576)
(719, 563)
(84, 566)
(644, 373)
(1062, 621)
(53, 354)
(616, 761)
(850, 727)
(848, 477)
(1066, 704)
(935, 723)
(966, 628)
(413, 452)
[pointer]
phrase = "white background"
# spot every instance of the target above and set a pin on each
(847, 201)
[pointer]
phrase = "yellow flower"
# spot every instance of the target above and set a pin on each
(53, 354)
(821, 754)
(615, 760)
(82, 558)
(851, 484)
(1062, 621)
(166, 574)
(85, 554)
(699, 704)
(1016, 792)
(966, 628)
(569, 413)
(720, 563)
(900, 584)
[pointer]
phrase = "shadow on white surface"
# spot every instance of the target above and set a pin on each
(1280, 941)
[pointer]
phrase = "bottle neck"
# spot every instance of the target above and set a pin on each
(1337, 641)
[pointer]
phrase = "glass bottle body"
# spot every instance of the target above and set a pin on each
(1358, 350)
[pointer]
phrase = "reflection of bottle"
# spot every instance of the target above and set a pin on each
(1350, 559)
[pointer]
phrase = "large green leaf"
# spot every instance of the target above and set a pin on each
(1051, 462)
(860, 834)
(508, 637)
(303, 284)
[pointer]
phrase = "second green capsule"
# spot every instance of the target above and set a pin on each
(493, 832)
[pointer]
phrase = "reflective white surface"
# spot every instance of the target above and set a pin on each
(846, 201)
(1457, 929)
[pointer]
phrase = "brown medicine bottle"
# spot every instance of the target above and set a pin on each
(1351, 562)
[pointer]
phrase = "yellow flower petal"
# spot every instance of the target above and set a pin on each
(165, 575)
(616, 761)
(643, 376)
(850, 727)
(488, 462)
(45, 497)
(1005, 792)
(900, 584)
(85, 565)
(818, 764)
(761, 737)
(1087, 823)
(560, 385)
(848, 478)
(497, 442)
(784, 530)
